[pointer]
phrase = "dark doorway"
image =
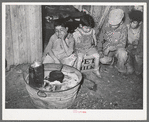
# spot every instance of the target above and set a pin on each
(52, 13)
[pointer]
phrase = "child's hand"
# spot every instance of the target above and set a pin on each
(106, 51)
(112, 48)
(101, 54)
(63, 34)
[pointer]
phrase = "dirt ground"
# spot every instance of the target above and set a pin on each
(112, 91)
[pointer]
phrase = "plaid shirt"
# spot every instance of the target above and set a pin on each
(114, 37)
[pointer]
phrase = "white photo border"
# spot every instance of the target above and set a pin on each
(68, 114)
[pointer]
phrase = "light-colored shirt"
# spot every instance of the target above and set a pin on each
(133, 35)
(55, 45)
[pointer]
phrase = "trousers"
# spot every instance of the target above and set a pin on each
(120, 54)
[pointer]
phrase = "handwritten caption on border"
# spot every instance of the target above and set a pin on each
(78, 111)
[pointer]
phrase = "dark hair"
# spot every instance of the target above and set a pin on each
(67, 22)
(136, 15)
(60, 22)
(87, 20)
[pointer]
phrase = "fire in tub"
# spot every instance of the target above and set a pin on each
(60, 86)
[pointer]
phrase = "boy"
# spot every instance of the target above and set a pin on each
(134, 28)
(61, 46)
(134, 38)
(114, 36)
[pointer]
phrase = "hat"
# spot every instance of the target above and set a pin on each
(116, 16)
(56, 75)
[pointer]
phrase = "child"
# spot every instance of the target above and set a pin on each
(134, 28)
(61, 46)
(85, 42)
(134, 39)
(114, 38)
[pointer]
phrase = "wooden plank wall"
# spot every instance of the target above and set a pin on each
(23, 42)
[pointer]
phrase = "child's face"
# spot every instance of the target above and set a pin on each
(60, 31)
(134, 24)
(86, 28)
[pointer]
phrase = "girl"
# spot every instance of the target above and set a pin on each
(85, 42)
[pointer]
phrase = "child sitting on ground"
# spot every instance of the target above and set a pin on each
(85, 42)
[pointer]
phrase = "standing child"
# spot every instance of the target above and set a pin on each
(85, 42)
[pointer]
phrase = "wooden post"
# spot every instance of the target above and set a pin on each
(22, 38)
(9, 55)
(34, 32)
(23, 34)
(103, 16)
(101, 22)
(15, 33)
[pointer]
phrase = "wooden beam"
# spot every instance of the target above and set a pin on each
(23, 34)
(9, 55)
